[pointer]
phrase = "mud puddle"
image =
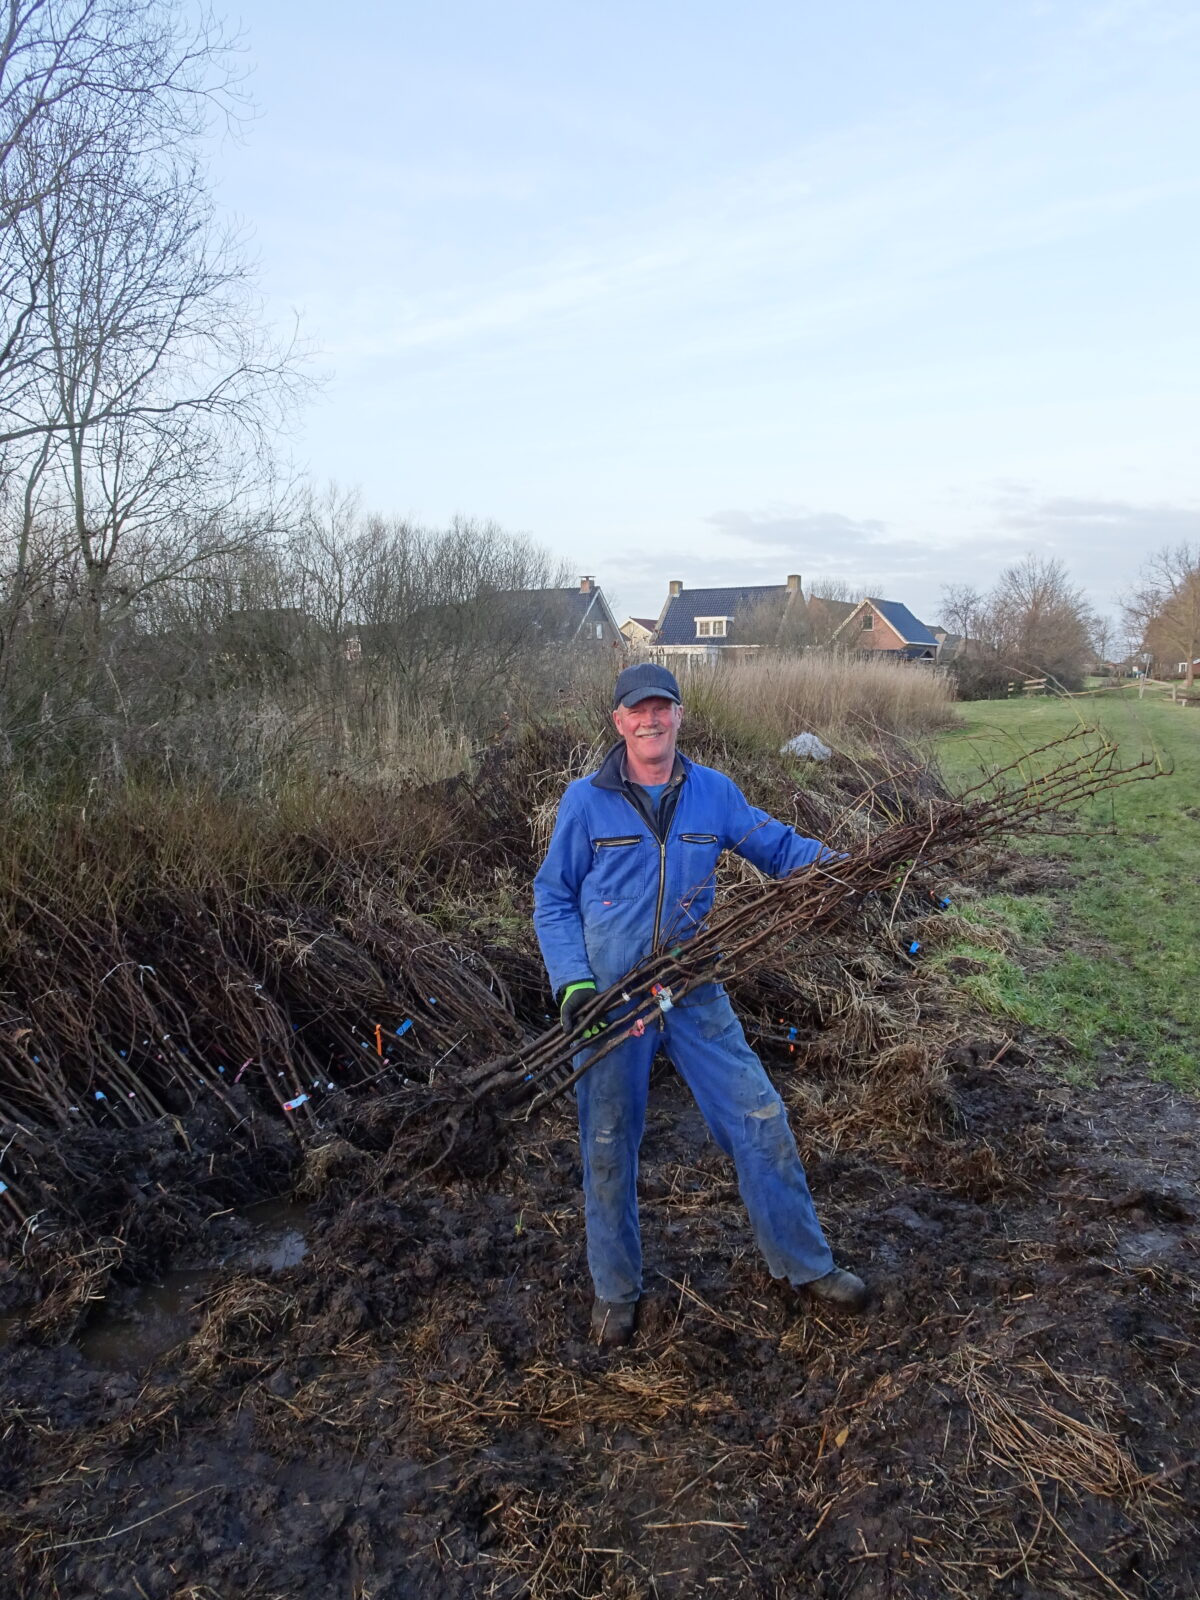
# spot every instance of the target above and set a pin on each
(413, 1409)
(136, 1325)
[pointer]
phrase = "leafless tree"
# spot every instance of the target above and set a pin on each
(78, 80)
(777, 622)
(962, 606)
(1104, 636)
(157, 385)
(138, 392)
(1038, 622)
(1163, 611)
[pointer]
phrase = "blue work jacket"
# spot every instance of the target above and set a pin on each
(617, 879)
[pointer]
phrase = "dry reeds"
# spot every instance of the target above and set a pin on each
(841, 697)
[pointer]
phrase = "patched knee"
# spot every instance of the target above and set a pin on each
(767, 1129)
(606, 1157)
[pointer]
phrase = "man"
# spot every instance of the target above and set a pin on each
(630, 865)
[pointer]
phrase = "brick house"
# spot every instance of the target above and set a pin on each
(885, 626)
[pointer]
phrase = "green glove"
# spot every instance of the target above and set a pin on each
(575, 997)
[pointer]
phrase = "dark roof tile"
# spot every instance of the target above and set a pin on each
(679, 624)
(902, 619)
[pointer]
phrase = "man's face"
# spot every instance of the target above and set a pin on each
(649, 728)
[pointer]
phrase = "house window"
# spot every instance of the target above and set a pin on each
(599, 630)
(711, 627)
(868, 621)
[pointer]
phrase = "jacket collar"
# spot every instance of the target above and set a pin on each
(612, 773)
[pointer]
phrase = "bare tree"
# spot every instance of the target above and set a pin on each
(1104, 636)
(138, 393)
(78, 80)
(778, 622)
(1038, 622)
(962, 606)
(1163, 612)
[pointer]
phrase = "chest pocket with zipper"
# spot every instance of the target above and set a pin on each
(698, 854)
(618, 868)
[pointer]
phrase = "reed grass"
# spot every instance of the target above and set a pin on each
(845, 700)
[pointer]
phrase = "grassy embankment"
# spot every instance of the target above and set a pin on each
(1111, 961)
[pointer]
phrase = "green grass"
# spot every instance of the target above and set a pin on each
(1112, 962)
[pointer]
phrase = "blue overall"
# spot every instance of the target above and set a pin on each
(618, 880)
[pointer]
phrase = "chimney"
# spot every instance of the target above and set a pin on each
(793, 582)
(676, 587)
(585, 585)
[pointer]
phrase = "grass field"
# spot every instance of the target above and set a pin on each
(1111, 962)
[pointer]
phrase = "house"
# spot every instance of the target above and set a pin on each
(949, 644)
(503, 622)
(958, 647)
(638, 631)
(877, 626)
(572, 616)
(704, 624)
(824, 617)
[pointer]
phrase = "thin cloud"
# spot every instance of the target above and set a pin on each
(797, 531)
(1150, 525)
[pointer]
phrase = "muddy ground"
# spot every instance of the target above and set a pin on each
(413, 1409)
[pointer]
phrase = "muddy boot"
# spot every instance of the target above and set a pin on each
(613, 1321)
(841, 1289)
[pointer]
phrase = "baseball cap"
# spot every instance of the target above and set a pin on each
(643, 682)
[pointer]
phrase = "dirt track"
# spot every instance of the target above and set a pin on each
(413, 1409)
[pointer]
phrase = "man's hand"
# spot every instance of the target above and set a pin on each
(575, 997)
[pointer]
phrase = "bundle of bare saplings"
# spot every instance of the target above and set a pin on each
(220, 1015)
(754, 923)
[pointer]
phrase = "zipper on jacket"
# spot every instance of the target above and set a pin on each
(662, 875)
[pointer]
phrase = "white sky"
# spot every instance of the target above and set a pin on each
(892, 292)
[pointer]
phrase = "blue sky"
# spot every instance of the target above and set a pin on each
(893, 293)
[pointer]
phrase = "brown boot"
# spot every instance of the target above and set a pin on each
(841, 1289)
(613, 1321)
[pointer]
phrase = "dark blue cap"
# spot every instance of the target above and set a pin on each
(645, 682)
